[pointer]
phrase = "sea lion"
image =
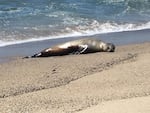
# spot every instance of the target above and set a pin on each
(81, 46)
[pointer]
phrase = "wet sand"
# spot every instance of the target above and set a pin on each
(75, 83)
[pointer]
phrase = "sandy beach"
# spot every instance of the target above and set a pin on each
(101, 82)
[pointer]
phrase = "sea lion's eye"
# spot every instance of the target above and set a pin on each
(108, 47)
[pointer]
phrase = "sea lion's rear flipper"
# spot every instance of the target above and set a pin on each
(33, 56)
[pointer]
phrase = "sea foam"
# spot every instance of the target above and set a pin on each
(92, 29)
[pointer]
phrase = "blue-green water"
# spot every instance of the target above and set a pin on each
(32, 20)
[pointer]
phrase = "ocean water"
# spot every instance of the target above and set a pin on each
(33, 20)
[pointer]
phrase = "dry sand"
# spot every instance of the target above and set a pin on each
(134, 105)
(73, 83)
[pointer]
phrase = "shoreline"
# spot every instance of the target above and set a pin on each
(73, 83)
(26, 49)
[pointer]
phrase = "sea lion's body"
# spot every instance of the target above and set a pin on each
(81, 46)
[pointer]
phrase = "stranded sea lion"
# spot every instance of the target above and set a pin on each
(81, 46)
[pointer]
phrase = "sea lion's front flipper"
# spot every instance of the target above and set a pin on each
(82, 48)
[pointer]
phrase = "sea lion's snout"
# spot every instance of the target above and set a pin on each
(111, 47)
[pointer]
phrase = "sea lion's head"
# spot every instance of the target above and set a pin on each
(107, 47)
(110, 47)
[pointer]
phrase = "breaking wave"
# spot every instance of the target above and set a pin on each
(25, 21)
(75, 31)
